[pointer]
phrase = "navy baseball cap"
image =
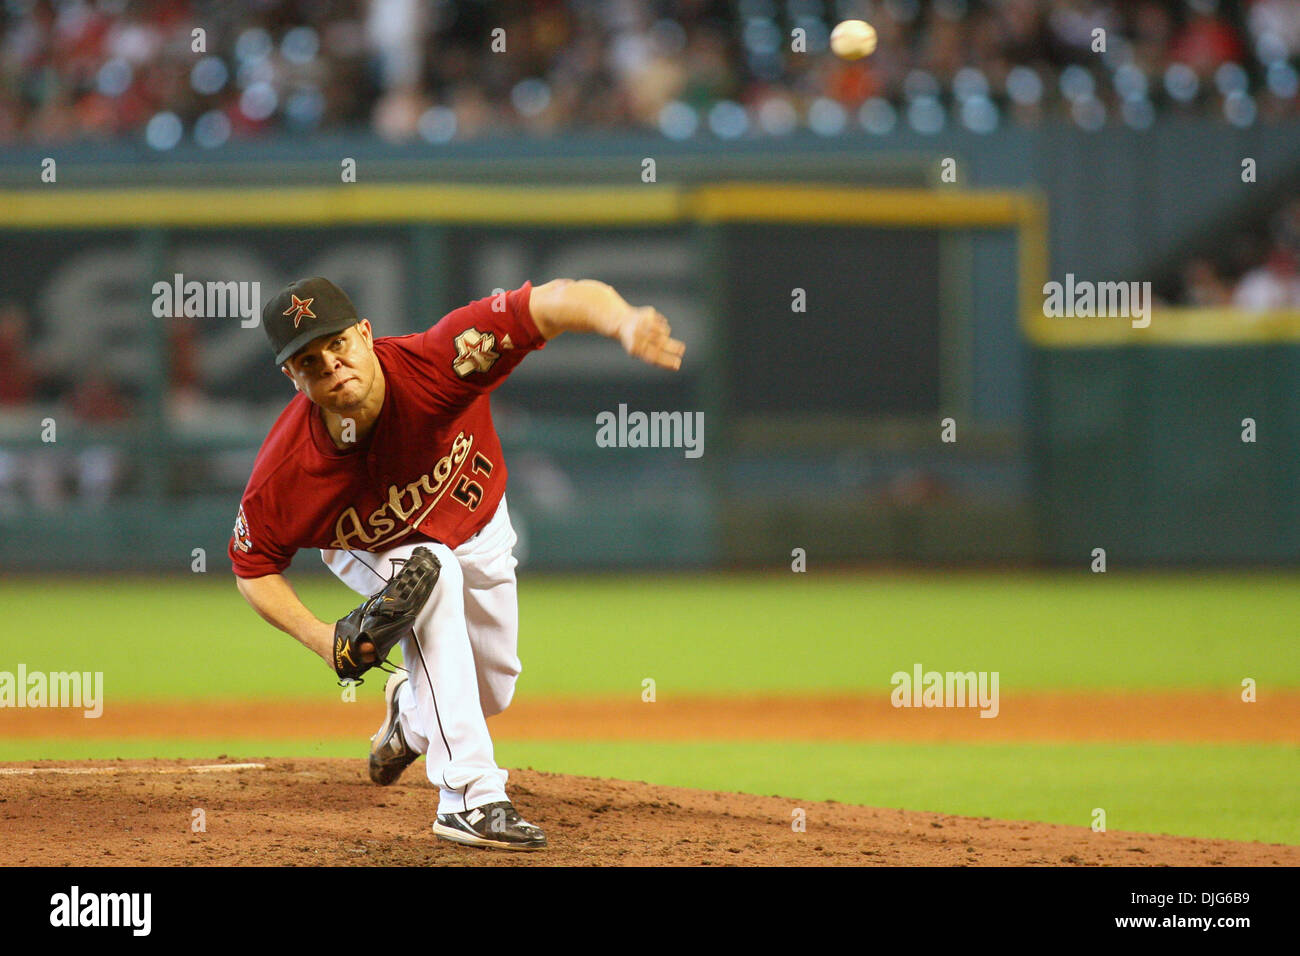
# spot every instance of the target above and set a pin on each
(304, 310)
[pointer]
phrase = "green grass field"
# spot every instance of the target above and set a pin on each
(707, 633)
(721, 634)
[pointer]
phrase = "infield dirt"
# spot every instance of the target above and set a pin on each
(1189, 716)
(328, 813)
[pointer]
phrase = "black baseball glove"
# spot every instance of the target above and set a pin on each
(385, 618)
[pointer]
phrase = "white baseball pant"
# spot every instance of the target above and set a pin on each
(463, 661)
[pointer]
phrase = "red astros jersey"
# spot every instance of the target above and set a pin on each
(430, 469)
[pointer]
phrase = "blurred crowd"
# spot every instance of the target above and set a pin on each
(1257, 269)
(206, 71)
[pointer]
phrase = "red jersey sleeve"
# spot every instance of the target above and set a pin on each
(475, 347)
(253, 551)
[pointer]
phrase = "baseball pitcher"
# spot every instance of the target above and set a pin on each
(388, 462)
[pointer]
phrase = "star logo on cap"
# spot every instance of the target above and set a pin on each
(299, 308)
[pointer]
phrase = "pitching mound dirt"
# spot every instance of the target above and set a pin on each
(327, 813)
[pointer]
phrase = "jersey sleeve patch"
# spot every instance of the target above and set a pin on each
(240, 537)
(475, 352)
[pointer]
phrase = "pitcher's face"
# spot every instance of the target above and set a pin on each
(336, 371)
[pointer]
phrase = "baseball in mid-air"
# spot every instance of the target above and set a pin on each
(853, 39)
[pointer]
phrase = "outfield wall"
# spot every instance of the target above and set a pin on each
(795, 347)
(823, 425)
(1170, 455)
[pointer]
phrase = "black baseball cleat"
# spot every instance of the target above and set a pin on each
(389, 753)
(496, 825)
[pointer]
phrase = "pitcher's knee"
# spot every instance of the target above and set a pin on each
(495, 695)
